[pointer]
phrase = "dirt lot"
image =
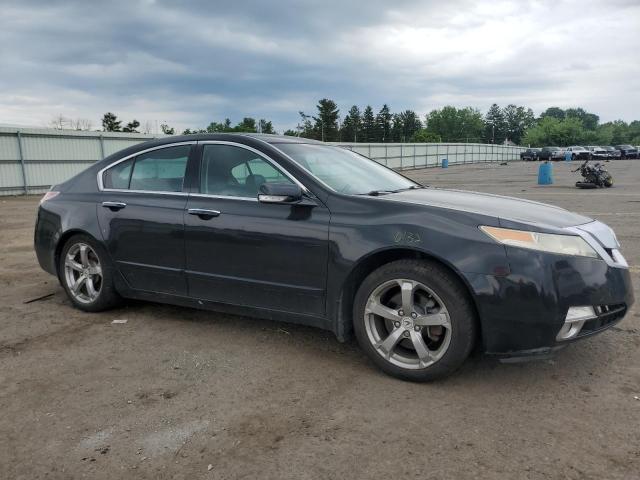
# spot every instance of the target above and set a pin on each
(174, 391)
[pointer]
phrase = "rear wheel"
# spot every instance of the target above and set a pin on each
(414, 320)
(86, 276)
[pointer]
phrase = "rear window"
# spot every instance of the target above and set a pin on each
(118, 176)
(160, 170)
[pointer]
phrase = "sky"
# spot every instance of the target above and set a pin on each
(189, 63)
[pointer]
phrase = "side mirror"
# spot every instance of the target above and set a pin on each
(279, 193)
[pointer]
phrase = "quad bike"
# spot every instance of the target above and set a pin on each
(595, 176)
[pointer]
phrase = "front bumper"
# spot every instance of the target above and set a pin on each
(522, 313)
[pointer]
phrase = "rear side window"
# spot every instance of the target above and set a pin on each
(118, 176)
(160, 170)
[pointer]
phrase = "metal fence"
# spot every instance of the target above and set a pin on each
(408, 156)
(31, 160)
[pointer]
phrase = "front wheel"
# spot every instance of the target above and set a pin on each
(414, 320)
(607, 181)
(85, 275)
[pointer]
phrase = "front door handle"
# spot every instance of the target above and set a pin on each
(114, 206)
(203, 213)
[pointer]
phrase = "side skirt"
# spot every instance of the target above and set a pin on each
(276, 315)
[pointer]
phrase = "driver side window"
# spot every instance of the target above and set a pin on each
(236, 172)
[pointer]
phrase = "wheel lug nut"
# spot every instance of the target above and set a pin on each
(396, 324)
(401, 313)
(417, 328)
(406, 333)
(414, 315)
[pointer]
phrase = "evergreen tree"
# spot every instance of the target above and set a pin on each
(326, 123)
(495, 127)
(351, 126)
(383, 124)
(305, 128)
(368, 125)
(110, 122)
(132, 127)
(266, 126)
(408, 124)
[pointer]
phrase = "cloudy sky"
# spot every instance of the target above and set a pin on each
(190, 62)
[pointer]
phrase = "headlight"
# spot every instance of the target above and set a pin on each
(545, 242)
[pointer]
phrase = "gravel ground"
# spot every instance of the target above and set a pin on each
(180, 393)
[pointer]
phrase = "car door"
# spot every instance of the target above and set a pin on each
(141, 217)
(243, 252)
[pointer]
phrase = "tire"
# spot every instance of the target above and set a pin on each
(608, 181)
(445, 320)
(82, 256)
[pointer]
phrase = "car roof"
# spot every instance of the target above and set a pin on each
(251, 139)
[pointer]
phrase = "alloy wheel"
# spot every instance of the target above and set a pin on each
(83, 273)
(407, 323)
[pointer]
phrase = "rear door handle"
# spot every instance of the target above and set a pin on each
(114, 206)
(203, 213)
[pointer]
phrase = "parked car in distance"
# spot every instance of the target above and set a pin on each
(578, 152)
(551, 153)
(627, 151)
(613, 153)
(530, 154)
(598, 153)
(293, 229)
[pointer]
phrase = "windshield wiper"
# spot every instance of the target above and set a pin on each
(375, 193)
(412, 187)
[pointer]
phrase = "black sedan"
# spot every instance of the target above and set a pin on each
(301, 231)
(551, 153)
(530, 154)
(627, 151)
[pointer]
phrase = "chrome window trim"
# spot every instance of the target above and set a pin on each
(124, 159)
(269, 160)
(223, 197)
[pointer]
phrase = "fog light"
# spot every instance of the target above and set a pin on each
(576, 316)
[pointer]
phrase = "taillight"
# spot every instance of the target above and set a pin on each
(48, 196)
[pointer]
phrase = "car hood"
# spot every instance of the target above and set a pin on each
(508, 208)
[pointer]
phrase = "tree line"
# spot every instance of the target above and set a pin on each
(511, 124)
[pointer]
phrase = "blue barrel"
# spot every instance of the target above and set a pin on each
(567, 156)
(545, 174)
(445, 163)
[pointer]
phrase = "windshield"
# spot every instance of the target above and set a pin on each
(345, 171)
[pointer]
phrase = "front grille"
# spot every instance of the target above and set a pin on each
(606, 315)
